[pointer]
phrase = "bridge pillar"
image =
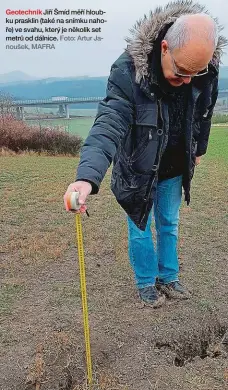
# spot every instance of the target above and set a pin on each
(67, 112)
(61, 110)
(20, 113)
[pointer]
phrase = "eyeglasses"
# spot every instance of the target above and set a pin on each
(178, 74)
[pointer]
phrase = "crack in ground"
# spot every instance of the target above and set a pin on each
(203, 343)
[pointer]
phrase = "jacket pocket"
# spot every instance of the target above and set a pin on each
(125, 182)
(143, 159)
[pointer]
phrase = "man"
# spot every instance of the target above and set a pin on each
(154, 125)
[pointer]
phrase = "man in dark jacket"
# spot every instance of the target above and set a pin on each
(154, 126)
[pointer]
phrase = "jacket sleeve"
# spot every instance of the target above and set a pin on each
(114, 115)
(205, 125)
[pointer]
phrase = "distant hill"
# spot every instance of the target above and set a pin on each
(47, 88)
(15, 76)
(20, 86)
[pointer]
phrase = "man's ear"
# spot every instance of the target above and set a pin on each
(164, 47)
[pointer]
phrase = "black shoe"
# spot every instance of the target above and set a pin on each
(150, 296)
(173, 290)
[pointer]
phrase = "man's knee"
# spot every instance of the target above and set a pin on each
(169, 222)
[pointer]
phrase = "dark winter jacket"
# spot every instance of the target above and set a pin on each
(132, 123)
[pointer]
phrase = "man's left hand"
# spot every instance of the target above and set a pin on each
(197, 160)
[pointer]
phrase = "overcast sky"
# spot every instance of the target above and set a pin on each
(85, 58)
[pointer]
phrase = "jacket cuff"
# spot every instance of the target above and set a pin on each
(95, 187)
(200, 152)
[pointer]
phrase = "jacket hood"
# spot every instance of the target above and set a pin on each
(145, 32)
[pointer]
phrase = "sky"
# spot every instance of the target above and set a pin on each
(80, 58)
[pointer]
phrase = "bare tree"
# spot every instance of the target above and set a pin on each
(6, 106)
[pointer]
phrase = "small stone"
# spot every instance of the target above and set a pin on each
(140, 305)
(225, 338)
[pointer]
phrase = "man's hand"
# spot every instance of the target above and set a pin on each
(84, 190)
(197, 160)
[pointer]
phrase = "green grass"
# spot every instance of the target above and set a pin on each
(32, 188)
(54, 110)
(35, 225)
(218, 143)
(8, 295)
(77, 126)
(81, 126)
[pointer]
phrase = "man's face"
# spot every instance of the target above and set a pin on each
(180, 65)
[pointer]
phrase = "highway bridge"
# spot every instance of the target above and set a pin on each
(61, 101)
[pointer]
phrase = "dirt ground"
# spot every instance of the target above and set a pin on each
(178, 346)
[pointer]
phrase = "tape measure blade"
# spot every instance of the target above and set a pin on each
(84, 295)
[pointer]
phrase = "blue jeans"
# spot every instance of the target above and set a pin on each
(162, 264)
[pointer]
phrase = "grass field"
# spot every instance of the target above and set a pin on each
(78, 126)
(54, 110)
(133, 347)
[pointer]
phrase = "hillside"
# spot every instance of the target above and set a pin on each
(15, 76)
(47, 88)
(70, 87)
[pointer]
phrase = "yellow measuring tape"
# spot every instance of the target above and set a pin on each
(79, 240)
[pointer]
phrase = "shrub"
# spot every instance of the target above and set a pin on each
(219, 118)
(17, 136)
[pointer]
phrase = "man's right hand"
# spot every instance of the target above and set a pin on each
(84, 188)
